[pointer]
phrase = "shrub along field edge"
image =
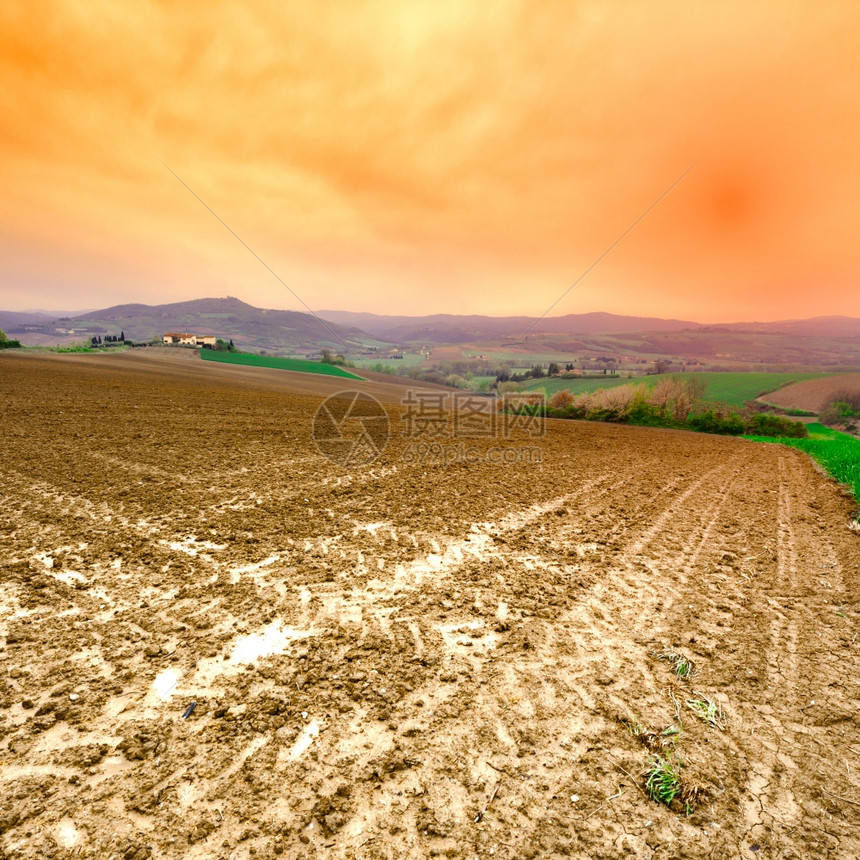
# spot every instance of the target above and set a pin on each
(674, 402)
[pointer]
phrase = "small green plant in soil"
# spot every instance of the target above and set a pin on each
(681, 665)
(707, 710)
(663, 778)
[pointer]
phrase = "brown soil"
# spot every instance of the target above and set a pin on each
(813, 394)
(151, 365)
(407, 659)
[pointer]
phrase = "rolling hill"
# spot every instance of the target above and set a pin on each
(14, 319)
(250, 328)
(453, 328)
(832, 326)
(825, 343)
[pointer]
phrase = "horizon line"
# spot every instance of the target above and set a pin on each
(74, 313)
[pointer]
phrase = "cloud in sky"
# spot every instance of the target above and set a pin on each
(418, 157)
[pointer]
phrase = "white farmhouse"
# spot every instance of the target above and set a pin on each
(172, 338)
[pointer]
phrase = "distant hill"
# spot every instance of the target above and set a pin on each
(250, 328)
(822, 342)
(834, 326)
(825, 342)
(452, 328)
(11, 319)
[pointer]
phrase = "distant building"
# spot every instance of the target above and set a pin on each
(173, 338)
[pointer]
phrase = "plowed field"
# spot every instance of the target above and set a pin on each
(408, 659)
(813, 394)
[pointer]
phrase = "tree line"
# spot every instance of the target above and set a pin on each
(96, 339)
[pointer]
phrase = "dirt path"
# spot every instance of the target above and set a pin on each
(409, 659)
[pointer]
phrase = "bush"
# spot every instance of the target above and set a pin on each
(774, 425)
(733, 425)
(5, 343)
(328, 357)
(379, 367)
(705, 422)
(562, 399)
(614, 416)
(645, 413)
(610, 404)
(715, 421)
(832, 414)
(849, 399)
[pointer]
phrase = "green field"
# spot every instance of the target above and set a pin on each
(294, 364)
(410, 359)
(732, 388)
(737, 388)
(837, 452)
(585, 383)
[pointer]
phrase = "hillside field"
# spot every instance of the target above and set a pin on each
(813, 396)
(217, 643)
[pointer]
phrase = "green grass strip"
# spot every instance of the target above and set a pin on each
(837, 452)
(296, 364)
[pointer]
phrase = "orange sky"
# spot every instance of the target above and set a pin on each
(422, 157)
